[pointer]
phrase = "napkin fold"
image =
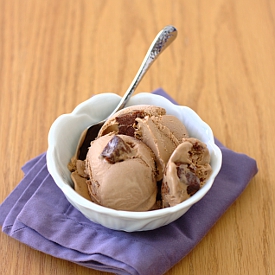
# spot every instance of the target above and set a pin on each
(38, 214)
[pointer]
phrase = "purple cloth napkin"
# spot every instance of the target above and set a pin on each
(38, 214)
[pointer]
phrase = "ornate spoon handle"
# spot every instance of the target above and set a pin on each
(163, 39)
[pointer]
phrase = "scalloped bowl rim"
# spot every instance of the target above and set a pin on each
(112, 99)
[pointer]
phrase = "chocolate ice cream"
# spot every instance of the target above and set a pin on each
(141, 160)
(122, 174)
(186, 172)
(150, 124)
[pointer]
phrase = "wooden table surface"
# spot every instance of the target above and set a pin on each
(56, 54)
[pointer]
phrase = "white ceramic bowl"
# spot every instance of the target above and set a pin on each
(63, 138)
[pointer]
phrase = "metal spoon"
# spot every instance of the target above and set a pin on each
(164, 38)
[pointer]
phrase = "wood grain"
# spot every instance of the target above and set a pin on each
(56, 54)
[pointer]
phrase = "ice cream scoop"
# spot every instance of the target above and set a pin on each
(186, 172)
(163, 39)
(122, 173)
(150, 124)
(123, 121)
